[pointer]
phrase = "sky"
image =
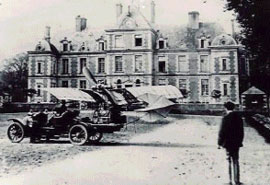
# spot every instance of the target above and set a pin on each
(23, 22)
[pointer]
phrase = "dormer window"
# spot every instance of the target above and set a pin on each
(223, 42)
(138, 40)
(65, 47)
(101, 46)
(161, 44)
(202, 44)
(38, 48)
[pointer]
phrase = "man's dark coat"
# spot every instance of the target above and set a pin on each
(231, 133)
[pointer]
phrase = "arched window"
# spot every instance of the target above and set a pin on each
(119, 84)
(138, 83)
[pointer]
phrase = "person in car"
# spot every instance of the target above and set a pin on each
(61, 108)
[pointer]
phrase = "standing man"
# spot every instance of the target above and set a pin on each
(230, 137)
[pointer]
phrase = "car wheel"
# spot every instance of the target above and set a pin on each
(78, 135)
(95, 137)
(15, 132)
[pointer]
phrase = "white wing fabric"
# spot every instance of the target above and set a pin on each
(158, 108)
(69, 94)
(168, 91)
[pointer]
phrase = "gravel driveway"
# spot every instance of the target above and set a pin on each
(182, 152)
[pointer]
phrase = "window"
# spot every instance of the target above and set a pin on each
(39, 68)
(65, 47)
(101, 65)
(204, 87)
(138, 63)
(225, 89)
(65, 66)
(54, 68)
(138, 83)
(182, 84)
(161, 64)
(118, 64)
(182, 64)
(82, 84)
(53, 84)
(65, 83)
(83, 48)
(162, 82)
(202, 43)
(225, 66)
(119, 41)
(128, 85)
(103, 81)
(138, 40)
(204, 63)
(161, 44)
(38, 90)
(119, 84)
(101, 46)
(82, 64)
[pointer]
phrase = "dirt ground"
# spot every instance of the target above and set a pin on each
(17, 158)
(181, 152)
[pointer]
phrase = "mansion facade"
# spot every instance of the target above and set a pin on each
(134, 53)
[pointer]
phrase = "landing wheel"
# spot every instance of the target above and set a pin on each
(15, 132)
(95, 137)
(78, 135)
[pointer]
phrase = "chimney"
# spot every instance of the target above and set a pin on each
(78, 23)
(153, 12)
(119, 9)
(47, 33)
(83, 23)
(193, 20)
(233, 31)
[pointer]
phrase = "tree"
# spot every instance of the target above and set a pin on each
(14, 76)
(253, 17)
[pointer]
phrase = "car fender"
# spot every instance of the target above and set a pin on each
(18, 121)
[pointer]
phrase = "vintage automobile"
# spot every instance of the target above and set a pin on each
(112, 107)
(79, 130)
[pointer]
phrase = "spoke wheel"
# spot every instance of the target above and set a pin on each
(15, 132)
(78, 135)
(95, 137)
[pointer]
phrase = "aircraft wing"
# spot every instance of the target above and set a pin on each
(168, 91)
(70, 94)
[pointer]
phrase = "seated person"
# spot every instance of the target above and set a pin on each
(41, 118)
(61, 108)
(60, 120)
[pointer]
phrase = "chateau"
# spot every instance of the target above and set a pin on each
(134, 53)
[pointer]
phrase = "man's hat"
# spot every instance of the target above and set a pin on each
(229, 105)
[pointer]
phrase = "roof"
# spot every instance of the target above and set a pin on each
(133, 18)
(180, 37)
(44, 45)
(253, 90)
(224, 40)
